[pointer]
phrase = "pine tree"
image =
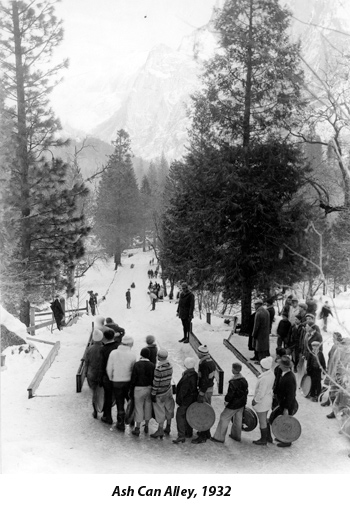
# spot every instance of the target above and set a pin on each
(147, 208)
(117, 217)
(41, 222)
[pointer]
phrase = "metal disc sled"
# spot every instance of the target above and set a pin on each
(305, 385)
(250, 420)
(200, 416)
(286, 428)
(278, 411)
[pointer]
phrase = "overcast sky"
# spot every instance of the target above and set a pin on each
(103, 37)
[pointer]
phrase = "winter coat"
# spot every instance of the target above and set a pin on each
(295, 336)
(311, 306)
(325, 312)
(264, 391)
(93, 362)
(57, 311)
(206, 374)
(272, 313)
(186, 305)
(186, 389)
(120, 364)
(107, 347)
(237, 392)
(250, 331)
(142, 374)
(153, 349)
(162, 378)
(261, 331)
(118, 330)
(283, 328)
(285, 391)
(313, 364)
(308, 338)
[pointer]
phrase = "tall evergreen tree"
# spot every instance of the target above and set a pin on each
(40, 210)
(117, 216)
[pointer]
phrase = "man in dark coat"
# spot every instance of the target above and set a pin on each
(186, 394)
(206, 374)
(261, 330)
(58, 312)
(92, 302)
(272, 312)
(185, 310)
(118, 330)
(315, 365)
(128, 298)
(109, 344)
(285, 390)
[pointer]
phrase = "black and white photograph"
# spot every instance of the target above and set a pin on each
(174, 244)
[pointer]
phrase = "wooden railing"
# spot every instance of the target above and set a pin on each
(242, 358)
(44, 367)
(34, 317)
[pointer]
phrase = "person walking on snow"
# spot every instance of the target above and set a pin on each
(185, 310)
(235, 401)
(206, 374)
(128, 298)
(324, 314)
(186, 394)
(119, 368)
(162, 394)
(262, 400)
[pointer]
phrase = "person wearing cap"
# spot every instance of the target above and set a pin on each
(261, 330)
(311, 335)
(108, 345)
(128, 298)
(185, 310)
(206, 374)
(262, 400)
(162, 394)
(93, 361)
(283, 331)
(118, 330)
(287, 305)
(140, 389)
(314, 367)
(235, 401)
(153, 349)
(296, 335)
(285, 390)
(186, 394)
(119, 368)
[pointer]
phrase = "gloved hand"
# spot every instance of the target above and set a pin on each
(153, 398)
(200, 399)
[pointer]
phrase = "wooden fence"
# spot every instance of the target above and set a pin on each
(44, 367)
(219, 373)
(75, 312)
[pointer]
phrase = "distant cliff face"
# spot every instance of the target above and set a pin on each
(154, 110)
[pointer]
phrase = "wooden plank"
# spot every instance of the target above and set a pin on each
(43, 369)
(40, 340)
(219, 373)
(242, 358)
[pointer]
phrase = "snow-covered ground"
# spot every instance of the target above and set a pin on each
(55, 433)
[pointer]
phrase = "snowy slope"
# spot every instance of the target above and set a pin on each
(54, 433)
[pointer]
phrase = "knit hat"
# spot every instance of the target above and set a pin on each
(315, 343)
(162, 354)
(109, 320)
(312, 317)
(189, 363)
(150, 339)
(127, 341)
(266, 363)
(145, 352)
(99, 320)
(97, 335)
(203, 350)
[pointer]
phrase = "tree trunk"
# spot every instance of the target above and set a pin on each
(246, 306)
(24, 312)
(248, 84)
(164, 287)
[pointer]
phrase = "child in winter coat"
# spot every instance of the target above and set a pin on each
(315, 365)
(283, 330)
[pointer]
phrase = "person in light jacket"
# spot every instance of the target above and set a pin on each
(262, 400)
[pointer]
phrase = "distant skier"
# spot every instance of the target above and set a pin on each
(324, 314)
(128, 298)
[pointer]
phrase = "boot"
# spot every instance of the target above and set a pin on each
(331, 415)
(136, 431)
(159, 433)
(179, 441)
(167, 428)
(263, 438)
(120, 422)
(94, 413)
(269, 437)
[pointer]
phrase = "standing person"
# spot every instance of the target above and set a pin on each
(128, 298)
(119, 368)
(235, 401)
(262, 401)
(153, 349)
(324, 314)
(186, 394)
(285, 391)
(153, 298)
(293, 310)
(272, 312)
(92, 302)
(185, 310)
(250, 336)
(315, 365)
(311, 305)
(108, 345)
(332, 378)
(140, 389)
(295, 341)
(261, 330)
(162, 394)
(58, 312)
(287, 305)
(311, 335)
(93, 361)
(206, 374)
(283, 331)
